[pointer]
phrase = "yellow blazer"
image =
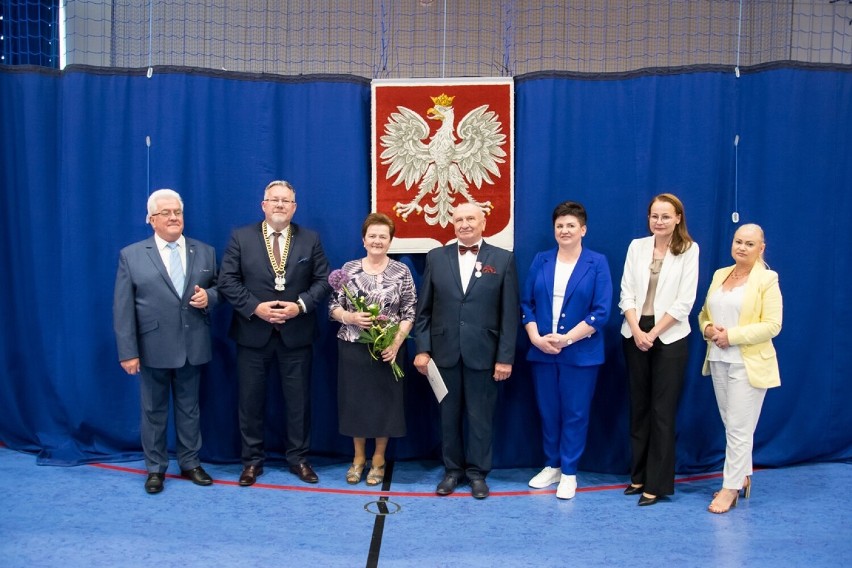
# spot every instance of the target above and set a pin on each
(760, 321)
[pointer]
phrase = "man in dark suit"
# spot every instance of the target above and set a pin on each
(164, 287)
(275, 274)
(467, 321)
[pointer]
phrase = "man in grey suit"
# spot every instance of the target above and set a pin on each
(275, 275)
(164, 287)
(467, 321)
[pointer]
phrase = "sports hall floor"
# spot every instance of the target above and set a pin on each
(99, 515)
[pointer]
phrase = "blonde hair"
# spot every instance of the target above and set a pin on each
(759, 229)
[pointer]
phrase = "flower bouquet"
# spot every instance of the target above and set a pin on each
(383, 329)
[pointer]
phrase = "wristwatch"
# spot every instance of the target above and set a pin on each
(568, 341)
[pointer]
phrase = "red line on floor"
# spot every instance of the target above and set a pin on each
(379, 493)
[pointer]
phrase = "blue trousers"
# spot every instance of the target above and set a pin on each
(564, 394)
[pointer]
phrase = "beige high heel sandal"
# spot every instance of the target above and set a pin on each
(376, 475)
(719, 511)
(353, 474)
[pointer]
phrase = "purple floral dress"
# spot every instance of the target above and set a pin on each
(370, 401)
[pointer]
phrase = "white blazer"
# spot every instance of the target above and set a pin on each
(676, 288)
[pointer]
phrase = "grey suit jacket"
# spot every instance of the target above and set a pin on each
(478, 326)
(152, 320)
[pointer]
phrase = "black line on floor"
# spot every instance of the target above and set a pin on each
(379, 525)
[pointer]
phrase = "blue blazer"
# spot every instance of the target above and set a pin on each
(152, 320)
(478, 326)
(588, 297)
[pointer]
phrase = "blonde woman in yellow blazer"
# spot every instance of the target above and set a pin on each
(741, 315)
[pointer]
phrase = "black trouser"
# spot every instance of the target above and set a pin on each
(294, 370)
(471, 397)
(655, 380)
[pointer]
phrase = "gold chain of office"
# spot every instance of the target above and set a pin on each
(277, 268)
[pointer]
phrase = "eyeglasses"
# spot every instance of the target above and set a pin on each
(661, 218)
(284, 202)
(166, 213)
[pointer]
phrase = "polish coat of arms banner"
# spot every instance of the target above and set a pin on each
(437, 143)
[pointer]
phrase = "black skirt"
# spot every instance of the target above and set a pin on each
(370, 401)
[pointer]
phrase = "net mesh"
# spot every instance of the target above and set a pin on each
(444, 38)
(29, 33)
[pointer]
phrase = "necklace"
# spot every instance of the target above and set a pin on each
(280, 280)
(657, 263)
(735, 276)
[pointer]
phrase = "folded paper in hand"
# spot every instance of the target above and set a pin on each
(436, 381)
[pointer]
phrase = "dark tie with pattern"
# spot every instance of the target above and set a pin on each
(473, 248)
(276, 248)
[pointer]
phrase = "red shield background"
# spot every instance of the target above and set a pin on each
(415, 235)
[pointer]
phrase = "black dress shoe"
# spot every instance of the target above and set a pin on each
(478, 488)
(197, 475)
(305, 473)
(154, 483)
(645, 501)
(250, 474)
(633, 490)
(447, 485)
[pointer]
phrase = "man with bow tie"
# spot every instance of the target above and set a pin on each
(467, 322)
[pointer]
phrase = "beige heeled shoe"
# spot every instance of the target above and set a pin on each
(713, 508)
(376, 475)
(353, 474)
(746, 490)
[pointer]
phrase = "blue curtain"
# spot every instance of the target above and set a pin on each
(75, 171)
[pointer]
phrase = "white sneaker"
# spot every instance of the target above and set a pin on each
(567, 487)
(547, 476)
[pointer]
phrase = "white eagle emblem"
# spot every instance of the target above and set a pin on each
(442, 167)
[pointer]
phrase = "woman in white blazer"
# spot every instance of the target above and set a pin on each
(658, 290)
(741, 315)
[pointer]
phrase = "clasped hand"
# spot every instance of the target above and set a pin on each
(552, 343)
(276, 311)
(718, 335)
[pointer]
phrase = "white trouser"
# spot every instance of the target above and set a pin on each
(739, 405)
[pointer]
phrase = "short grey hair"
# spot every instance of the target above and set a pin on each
(156, 196)
(280, 182)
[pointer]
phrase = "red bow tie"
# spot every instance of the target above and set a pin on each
(473, 248)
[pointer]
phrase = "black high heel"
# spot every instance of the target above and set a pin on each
(645, 501)
(633, 489)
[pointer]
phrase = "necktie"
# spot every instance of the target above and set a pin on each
(473, 248)
(276, 248)
(176, 268)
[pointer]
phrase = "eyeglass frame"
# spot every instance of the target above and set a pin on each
(279, 201)
(167, 213)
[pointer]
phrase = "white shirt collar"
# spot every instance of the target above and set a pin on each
(161, 243)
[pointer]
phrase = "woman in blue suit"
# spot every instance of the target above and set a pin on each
(565, 304)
